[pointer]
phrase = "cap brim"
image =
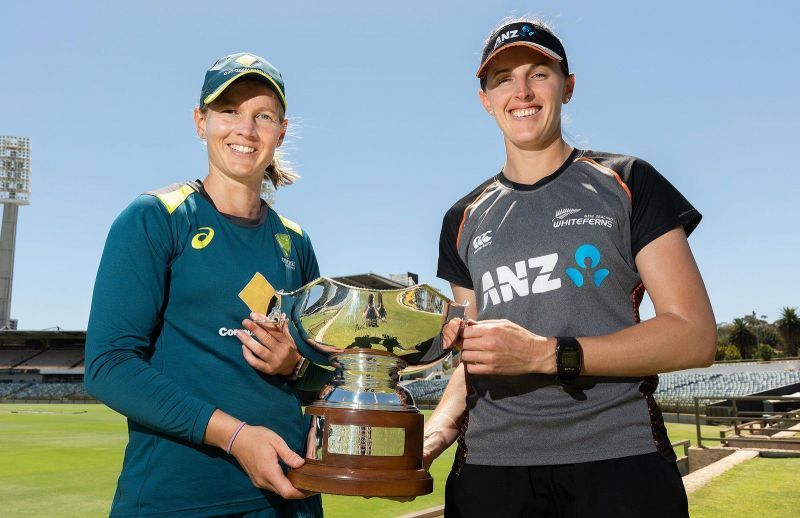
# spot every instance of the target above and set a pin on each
(273, 86)
(535, 46)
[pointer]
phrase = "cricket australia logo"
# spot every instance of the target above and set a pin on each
(285, 244)
(482, 241)
(587, 258)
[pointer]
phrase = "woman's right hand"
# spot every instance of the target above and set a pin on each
(258, 449)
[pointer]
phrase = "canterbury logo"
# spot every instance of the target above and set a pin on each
(482, 240)
(203, 238)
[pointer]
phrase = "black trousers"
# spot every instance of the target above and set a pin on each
(638, 486)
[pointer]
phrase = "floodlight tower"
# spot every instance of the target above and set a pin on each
(268, 192)
(15, 190)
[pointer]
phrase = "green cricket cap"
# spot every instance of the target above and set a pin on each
(235, 66)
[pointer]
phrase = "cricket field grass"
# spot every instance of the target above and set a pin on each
(63, 460)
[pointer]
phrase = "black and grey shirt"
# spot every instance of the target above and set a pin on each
(557, 258)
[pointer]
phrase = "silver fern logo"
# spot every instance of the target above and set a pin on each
(563, 213)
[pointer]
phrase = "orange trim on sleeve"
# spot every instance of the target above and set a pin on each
(464, 217)
(606, 170)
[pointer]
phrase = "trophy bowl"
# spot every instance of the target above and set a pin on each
(365, 437)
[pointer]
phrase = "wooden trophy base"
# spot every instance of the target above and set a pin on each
(320, 478)
(363, 453)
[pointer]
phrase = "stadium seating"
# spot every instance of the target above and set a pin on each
(427, 391)
(53, 358)
(52, 391)
(680, 388)
(673, 388)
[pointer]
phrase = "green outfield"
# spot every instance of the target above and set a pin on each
(758, 487)
(63, 460)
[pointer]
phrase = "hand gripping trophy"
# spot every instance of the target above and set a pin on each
(365, 437)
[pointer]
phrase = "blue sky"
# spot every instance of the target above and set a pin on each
(388, 131)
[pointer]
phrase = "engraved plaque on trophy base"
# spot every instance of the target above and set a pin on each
(357, 453)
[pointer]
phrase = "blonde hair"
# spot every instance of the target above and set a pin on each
(280, 171)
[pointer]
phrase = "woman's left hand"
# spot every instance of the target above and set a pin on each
(501, 347)
(270, 349)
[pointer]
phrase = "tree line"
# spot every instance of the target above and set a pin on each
(750, 337)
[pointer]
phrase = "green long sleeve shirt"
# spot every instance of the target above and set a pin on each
(176, 278)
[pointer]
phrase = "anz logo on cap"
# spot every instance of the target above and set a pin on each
(526, 31)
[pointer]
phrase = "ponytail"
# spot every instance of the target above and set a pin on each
(280, 172)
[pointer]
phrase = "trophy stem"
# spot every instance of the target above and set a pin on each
(366, 379)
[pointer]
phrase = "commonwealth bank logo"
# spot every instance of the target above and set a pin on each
(203, 238)
(285, 244)
(258, 294)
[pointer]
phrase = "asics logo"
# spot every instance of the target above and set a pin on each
(482, 240)
(587, 258)
(203, 238)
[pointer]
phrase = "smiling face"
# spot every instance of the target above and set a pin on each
(524, 91)
(243, 127)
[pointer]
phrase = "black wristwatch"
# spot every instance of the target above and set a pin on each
(569, 359)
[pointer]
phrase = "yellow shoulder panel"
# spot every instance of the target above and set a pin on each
(291, 225)
(172, 199)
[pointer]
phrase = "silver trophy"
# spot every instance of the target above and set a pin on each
(366, 433)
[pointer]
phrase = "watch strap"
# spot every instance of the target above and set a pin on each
(300, 369)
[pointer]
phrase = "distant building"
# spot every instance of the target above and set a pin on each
(406, 279)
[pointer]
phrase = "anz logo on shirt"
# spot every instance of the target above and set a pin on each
(503, 284)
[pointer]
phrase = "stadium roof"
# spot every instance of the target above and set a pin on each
(43, 338)
(370, 281)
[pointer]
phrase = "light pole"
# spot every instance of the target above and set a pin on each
(757, 325)
(15, 190)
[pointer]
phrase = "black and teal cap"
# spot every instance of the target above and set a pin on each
(527, 34)
(235, 66)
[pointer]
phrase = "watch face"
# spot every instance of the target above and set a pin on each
(570, 359)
